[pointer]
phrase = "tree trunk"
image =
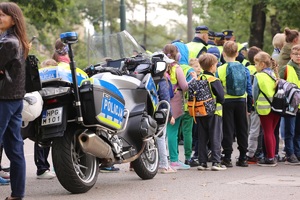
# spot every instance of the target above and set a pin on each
(145, 24)
(190, 30)
(258, 23)
(275, 27)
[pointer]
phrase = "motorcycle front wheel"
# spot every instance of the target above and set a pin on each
(76, 171)
(146, 165)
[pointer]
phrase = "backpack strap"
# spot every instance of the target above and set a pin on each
(265, 96)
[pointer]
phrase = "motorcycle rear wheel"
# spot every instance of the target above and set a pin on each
(146, 165)
(76, 171)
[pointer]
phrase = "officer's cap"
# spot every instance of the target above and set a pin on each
(219, 36)
(211, 34)
(228, 34)
(201, 29)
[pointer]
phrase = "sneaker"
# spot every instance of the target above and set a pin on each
(227, 162)
(241, 163)
(46, 175)
(4, 181)
(267, 162)
(251, 160)
(218, 167)
(192, 162)
(4, 174)
(179, 165)
(5, 168)
(203, 167)
(292, 160)
(168, 170)
(111, 169)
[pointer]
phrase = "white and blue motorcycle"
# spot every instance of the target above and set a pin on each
(111, 117)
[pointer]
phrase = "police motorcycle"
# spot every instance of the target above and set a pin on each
(111, 117)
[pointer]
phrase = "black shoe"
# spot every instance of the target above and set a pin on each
(251, 160)
(292, 160)
(242, 163)
(192, 162)
(203, 167)
(267, 162)
(227, 162)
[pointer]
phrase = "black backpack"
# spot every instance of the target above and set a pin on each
(286, 98)
(32, 79)
(200, 100)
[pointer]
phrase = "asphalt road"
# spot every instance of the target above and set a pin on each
(255, 182)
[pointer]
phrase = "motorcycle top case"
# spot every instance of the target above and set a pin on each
(61, 72)
(102, 103)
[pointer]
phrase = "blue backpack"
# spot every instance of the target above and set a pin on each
(236, 79)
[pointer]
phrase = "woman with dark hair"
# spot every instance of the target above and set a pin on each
(14, 49)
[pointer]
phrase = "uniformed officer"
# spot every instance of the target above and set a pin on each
(198, 45)
(229, 35)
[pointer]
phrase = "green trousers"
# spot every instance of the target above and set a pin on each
(185, 124)
(172, 134)
(186, 129)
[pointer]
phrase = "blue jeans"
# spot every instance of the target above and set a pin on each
(10, 135)
(292, 135)
(162, 150)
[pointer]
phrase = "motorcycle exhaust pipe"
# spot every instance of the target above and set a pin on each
(94, 145)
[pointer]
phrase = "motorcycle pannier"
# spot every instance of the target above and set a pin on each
(101, 103)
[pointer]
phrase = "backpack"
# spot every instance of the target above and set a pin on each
(32, 79)
(286, 98)
(236, 79)
(200, 100)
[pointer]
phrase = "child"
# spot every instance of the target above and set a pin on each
(264, 83)
(235, 105)
(194, 63)
(254, 122)
(210, 127)
(164, 86)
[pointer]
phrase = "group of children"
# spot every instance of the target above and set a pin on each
(220, 129)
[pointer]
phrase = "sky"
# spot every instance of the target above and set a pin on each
(157, 16)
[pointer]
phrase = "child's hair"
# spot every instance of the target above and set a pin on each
(171, 51)
(193, 62)
(230, 48)
(13, 10)
(295, 48)
(252, 52)
(268, 60)
(207, 60)
(290, 35)
(278, 40)
(61, 49)
(48, 62)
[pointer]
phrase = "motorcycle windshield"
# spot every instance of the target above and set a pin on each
(112, 47)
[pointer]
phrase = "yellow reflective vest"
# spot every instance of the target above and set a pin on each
(194, 49)
(267, 85)
(292, 77)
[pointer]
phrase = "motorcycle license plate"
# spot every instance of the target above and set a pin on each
(52, 116)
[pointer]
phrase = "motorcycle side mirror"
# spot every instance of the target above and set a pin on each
(160, 67)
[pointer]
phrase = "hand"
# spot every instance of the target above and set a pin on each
(1, 72)
(193, 74)
(172, 121)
